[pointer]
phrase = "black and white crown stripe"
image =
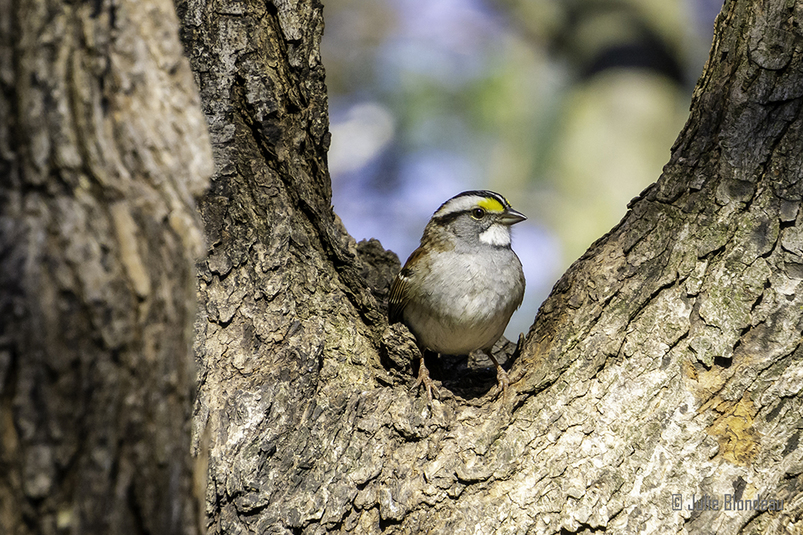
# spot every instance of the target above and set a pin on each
(466, 201)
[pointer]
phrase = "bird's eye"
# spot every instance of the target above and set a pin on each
(478, 213)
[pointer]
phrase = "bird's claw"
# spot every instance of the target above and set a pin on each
(424, 379)
(502, 383)
(502, 378)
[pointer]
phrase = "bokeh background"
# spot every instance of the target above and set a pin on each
(568, 108)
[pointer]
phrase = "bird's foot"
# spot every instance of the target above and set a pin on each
(502, 378)
(502, 382)
(424, 379)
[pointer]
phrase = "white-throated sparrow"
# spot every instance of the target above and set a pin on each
(457, 291)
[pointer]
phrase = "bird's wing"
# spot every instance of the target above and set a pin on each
(398, 296)
(399, 290)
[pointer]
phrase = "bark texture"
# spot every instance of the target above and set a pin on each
(667, 360)
(102, 150)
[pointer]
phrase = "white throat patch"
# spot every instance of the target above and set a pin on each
(497, 234)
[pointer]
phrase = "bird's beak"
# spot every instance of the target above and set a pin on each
(511, 217)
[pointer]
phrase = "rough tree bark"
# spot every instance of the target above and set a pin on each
(102, 149)
(667, 360)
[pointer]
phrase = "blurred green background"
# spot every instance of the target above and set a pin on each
(567, 108)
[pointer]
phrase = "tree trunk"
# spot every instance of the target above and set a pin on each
(102, 150)
(665, 365)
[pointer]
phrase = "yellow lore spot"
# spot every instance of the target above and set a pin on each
(491, 205)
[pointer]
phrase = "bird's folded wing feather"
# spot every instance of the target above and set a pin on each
(397, 299)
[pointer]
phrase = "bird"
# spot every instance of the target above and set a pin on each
(457, 291)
